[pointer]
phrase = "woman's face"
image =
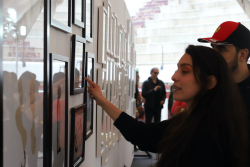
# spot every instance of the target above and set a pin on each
(185, 84)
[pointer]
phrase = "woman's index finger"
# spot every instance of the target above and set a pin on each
(90, 82)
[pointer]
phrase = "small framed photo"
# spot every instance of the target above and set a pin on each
(90, 61)
(128, 47)
(115, 36)
(121, 46)
(59, 109)
(61, 15)
(100, 129)
(111, 35)
(108, 78)
(102, 36)
(89, 20)
(107, 6)
(77, 136)
(77, 65)
(129, 29)
(79, 7)
(101, 78)
(125, 52)
(114, 82)
(111, 79)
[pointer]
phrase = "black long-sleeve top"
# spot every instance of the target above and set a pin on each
(205, 152)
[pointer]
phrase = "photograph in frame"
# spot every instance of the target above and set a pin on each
(115, 36)
(77, 137)
(59, 109)
(89, 21)
(107, 6)
(61, 15)
(77, 65)
(102, 35)
(90, 61)
(79, 6)
(100, 129)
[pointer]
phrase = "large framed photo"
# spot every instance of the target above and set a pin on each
(89, 20)
(79, 7)
(61, 15)
(90, 61)
(100, 129)
(77, 136)
(77, 65)
(102, 35)
(107, 6)
(59, 109)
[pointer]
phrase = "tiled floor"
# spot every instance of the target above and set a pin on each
(145, 161)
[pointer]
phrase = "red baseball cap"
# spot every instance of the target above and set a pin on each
(230, 33)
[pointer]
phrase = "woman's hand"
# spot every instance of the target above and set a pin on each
(95, 92)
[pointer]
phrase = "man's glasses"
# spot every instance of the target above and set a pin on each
(156, 73)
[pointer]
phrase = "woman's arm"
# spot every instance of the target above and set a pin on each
(146, 136)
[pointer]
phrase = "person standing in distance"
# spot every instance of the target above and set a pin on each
(154, 93)
(232, 41)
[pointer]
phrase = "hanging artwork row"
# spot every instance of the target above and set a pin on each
(78, 12)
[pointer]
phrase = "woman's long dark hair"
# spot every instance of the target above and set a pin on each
(220, 108)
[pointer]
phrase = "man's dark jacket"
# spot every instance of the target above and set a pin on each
(152, 97)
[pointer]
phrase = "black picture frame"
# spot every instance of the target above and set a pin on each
(76, 160)
(80, 23)
(89, 73)
(73, 88)
(57, 24)
(56, 122)
(89, 37)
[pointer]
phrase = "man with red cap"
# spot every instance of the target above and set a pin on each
(232, 40)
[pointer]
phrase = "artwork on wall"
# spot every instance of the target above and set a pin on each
(102, 34)
(112, 18)
(90, 61)
(108, 78)
(125, 52)
(105, 155)
(111, 79)
(129, 30)
(89, 20)
(114, 82)
(121, 56)
(77, 136)
(59, 109)
(79, 7)
(107, 6)
(77, 65)
(101, 78)
(61, 15)
(115, 36)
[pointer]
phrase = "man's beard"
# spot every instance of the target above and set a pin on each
(234, 63)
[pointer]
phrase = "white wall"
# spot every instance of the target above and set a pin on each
(60, 43)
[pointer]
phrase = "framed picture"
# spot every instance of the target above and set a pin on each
(102, 35)
(108, 78)
(100, 129)
(125, 52)
(61, 15)
(121, 44)
(132, 46)
(129, 30)
(77, 136)
(101, 78)
(77, 65)
(105, 155)
(114, 82)
(89, 20)
(59, 109)
(128, 47)
(107, 6)
(79, 7)
(90, 61)
(115, 36)
(111, 79)
(111, 35)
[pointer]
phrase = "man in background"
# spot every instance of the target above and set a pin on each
(154, 93)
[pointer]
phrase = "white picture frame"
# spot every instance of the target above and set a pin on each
(121, 45)
(102, 36)
(115, 36)
(100, 129)
(101, 78)
(108, 6)
(115, 71)
(105, 155)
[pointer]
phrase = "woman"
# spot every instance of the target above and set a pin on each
(212, 131)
